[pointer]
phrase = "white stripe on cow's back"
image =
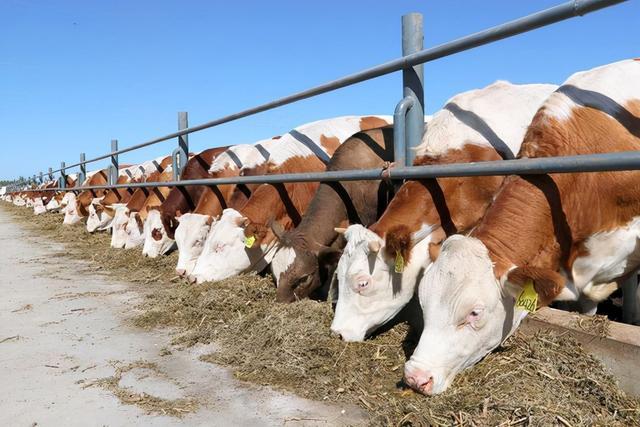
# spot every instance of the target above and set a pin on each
(507, 110)
(247, 154)
(613, 80)
(342, 128)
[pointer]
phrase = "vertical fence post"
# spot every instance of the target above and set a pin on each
(63, 176)
(51, 174)
(629, 301)
(83, 169)
(180, 160)
(41, 177)
(113, 176)
(412, 82)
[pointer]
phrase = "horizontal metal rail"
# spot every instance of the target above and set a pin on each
(619, 161)
(536, 20)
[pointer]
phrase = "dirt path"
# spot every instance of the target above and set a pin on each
(68, 356)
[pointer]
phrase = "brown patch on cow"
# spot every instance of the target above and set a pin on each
(372, 122)
(156, 234)
(398, 240)
(138, 220)
(547, 283)
(330, 143)
(543, 221)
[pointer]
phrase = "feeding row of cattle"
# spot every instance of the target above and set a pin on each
(480, 252)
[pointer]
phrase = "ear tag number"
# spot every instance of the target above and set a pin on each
(399, 264)
(528, 298)
(249, 241)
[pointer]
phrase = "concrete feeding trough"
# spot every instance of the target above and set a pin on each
(617, 345)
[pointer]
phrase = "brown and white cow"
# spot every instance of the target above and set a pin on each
(76, 207)
(138, 216)
(193, 227)
(544, 236)
(242, 240)
(161, 224)
(380, 267)
(307, 255)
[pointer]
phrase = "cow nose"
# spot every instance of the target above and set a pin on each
(181, 271)
(419, 380)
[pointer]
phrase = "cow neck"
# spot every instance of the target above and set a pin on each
(285, 203)
(455, 204)
(215, 198)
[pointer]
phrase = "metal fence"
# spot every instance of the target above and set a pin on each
(408, 118)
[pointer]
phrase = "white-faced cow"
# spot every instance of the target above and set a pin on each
(544, 236)
(380, 266)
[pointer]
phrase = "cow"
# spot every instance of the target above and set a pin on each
(75, 207)
(241, 240)
(102, 209)
(544, 237)
(193, 227)
(378, 271)
(307, 254)
(137, 217)
(161, 223)
(55, 202)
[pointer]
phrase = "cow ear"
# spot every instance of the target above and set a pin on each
(329, 255)
(209, 220)
(434, 250)
(546, 282)
(278, 229)
(398, 242)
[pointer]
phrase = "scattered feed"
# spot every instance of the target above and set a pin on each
(547, 379)
(151, 404)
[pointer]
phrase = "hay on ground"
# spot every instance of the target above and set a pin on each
(545, 379)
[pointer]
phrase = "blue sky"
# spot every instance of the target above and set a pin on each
(75, 74)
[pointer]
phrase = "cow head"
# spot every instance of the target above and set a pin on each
(54, 204)
(100, 217)
(228, 251)
(156, 240)
(38, 206)
(191, 235)
(135, 231)
(300, 265)
(71, 210)
(119, 227)
(377, 278)
(467, 311)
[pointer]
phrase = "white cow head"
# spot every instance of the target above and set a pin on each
(156, 240)
(467, 311)
(38, 206)
(19, 201)
(71, 215)
(100, 217)
(226, 252)
(135, 231)
(191, 235)
(119, 227)
(53, 204)
(370, 291)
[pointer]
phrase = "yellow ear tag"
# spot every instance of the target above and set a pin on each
(249, 241)
(399, 266)
(528, 298)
